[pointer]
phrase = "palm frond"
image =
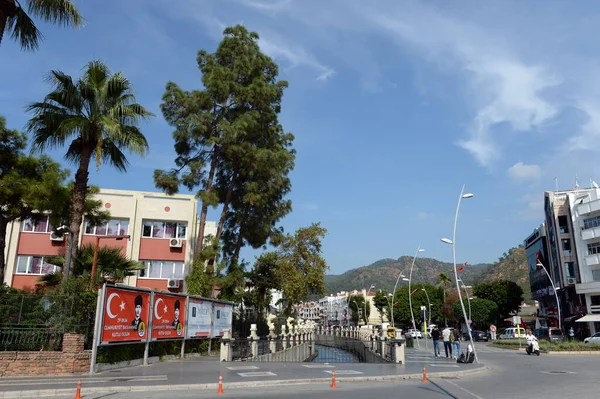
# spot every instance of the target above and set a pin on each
(62, 12)
(24, 30)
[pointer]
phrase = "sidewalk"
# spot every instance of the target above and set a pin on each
(203, 373)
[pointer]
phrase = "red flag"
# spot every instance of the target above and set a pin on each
(462, 267)
(412, 293)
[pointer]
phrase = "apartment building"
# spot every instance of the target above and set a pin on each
(162, 232)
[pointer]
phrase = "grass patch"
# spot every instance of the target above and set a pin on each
(563, 346)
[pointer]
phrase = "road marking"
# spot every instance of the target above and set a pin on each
(243, 368)
(338, 372)
(557, 372)
(84, 381)
(317, 366)
(257, 374)
(442, 365)
(466, 390)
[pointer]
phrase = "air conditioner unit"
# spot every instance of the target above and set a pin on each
(55, 237)
(571, 281)
(172, 283)
(176, 243)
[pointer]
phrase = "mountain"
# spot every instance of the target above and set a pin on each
(383, 273)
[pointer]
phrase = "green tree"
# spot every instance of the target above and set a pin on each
(402, 316)
(229, 144)
(15, 20)
(356, 303)
(382, 301)
(508, 295)
(444, 282)
(483, 312)
(30, 186)
(300, 265)
(112, 265)
(99, 115)
(261, 280)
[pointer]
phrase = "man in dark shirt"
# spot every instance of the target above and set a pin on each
(435, 335)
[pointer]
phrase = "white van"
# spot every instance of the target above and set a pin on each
(513, 333)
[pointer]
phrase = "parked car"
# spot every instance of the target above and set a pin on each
(551, 334)
(594, 339)
(414, 333)
(478, 335)
(512, 333)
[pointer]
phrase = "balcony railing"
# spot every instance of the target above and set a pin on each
(591, 233)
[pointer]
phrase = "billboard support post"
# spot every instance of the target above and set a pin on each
(97, 329)
(182, 355)
(150, 321)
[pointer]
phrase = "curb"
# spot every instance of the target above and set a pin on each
(188, 387)
(553, 352)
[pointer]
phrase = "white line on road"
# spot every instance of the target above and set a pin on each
(257, 374)
(466, 390)
(317, 366)
(442, 365)
(243, 368)
(339, 372)
(7, 383)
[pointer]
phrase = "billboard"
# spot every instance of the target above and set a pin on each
(125, 316)
(221, 318)
(199, 318)
(168, 317)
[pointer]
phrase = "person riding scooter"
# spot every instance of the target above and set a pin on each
(532, 344)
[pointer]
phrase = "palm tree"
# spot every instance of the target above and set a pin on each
(112, 266)
(443, 282)
(14, 19)
(99, 115)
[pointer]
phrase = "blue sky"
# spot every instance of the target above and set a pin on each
(394, 106)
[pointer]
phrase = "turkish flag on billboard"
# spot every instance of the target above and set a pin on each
(125, 315)
(168, 317)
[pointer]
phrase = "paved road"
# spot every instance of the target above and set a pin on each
(509, 373)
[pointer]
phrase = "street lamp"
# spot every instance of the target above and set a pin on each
(412, 316)
(429, 303)
(452, 242)
(538, 265)
(403, 277)
(366, 296)
(96, 249)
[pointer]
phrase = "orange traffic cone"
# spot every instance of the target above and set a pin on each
(425, 375)
(333, 384)
(220, 390)
(78, 392)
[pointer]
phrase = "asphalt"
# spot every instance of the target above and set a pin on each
(203, 373)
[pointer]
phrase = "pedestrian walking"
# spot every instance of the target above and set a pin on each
(456, 338)
(446, 337)
(435, 336)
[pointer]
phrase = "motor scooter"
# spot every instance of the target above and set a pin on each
(533, 347)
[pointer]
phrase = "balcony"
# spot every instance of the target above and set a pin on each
(588, 207)
(592, 260)
(589, 234)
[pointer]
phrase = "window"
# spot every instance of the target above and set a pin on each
(594, 248)
(591, 222)
(160, 229)
(114, 227)
(34, 265)
(163, 269)
(563, 224)
(595, 300)
(42, 226)
(570, 269)
(596, 275)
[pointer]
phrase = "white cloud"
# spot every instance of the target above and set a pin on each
(533, 208)
(311, 206)
(523, 172)
(425, 215)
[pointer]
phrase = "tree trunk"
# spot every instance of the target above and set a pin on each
(3, 225)
(78, 201)
(7, 8)
(238, 247)
(211, 261)
(204, 210)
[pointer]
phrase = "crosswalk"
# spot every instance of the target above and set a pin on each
(254, 371)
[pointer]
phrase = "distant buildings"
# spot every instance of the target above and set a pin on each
(568, 245)
(336, 311)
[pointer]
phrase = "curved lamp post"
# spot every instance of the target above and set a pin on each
(538, 265)
(394, 293)
(429, 303)
(452, 242)
(412, 315)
